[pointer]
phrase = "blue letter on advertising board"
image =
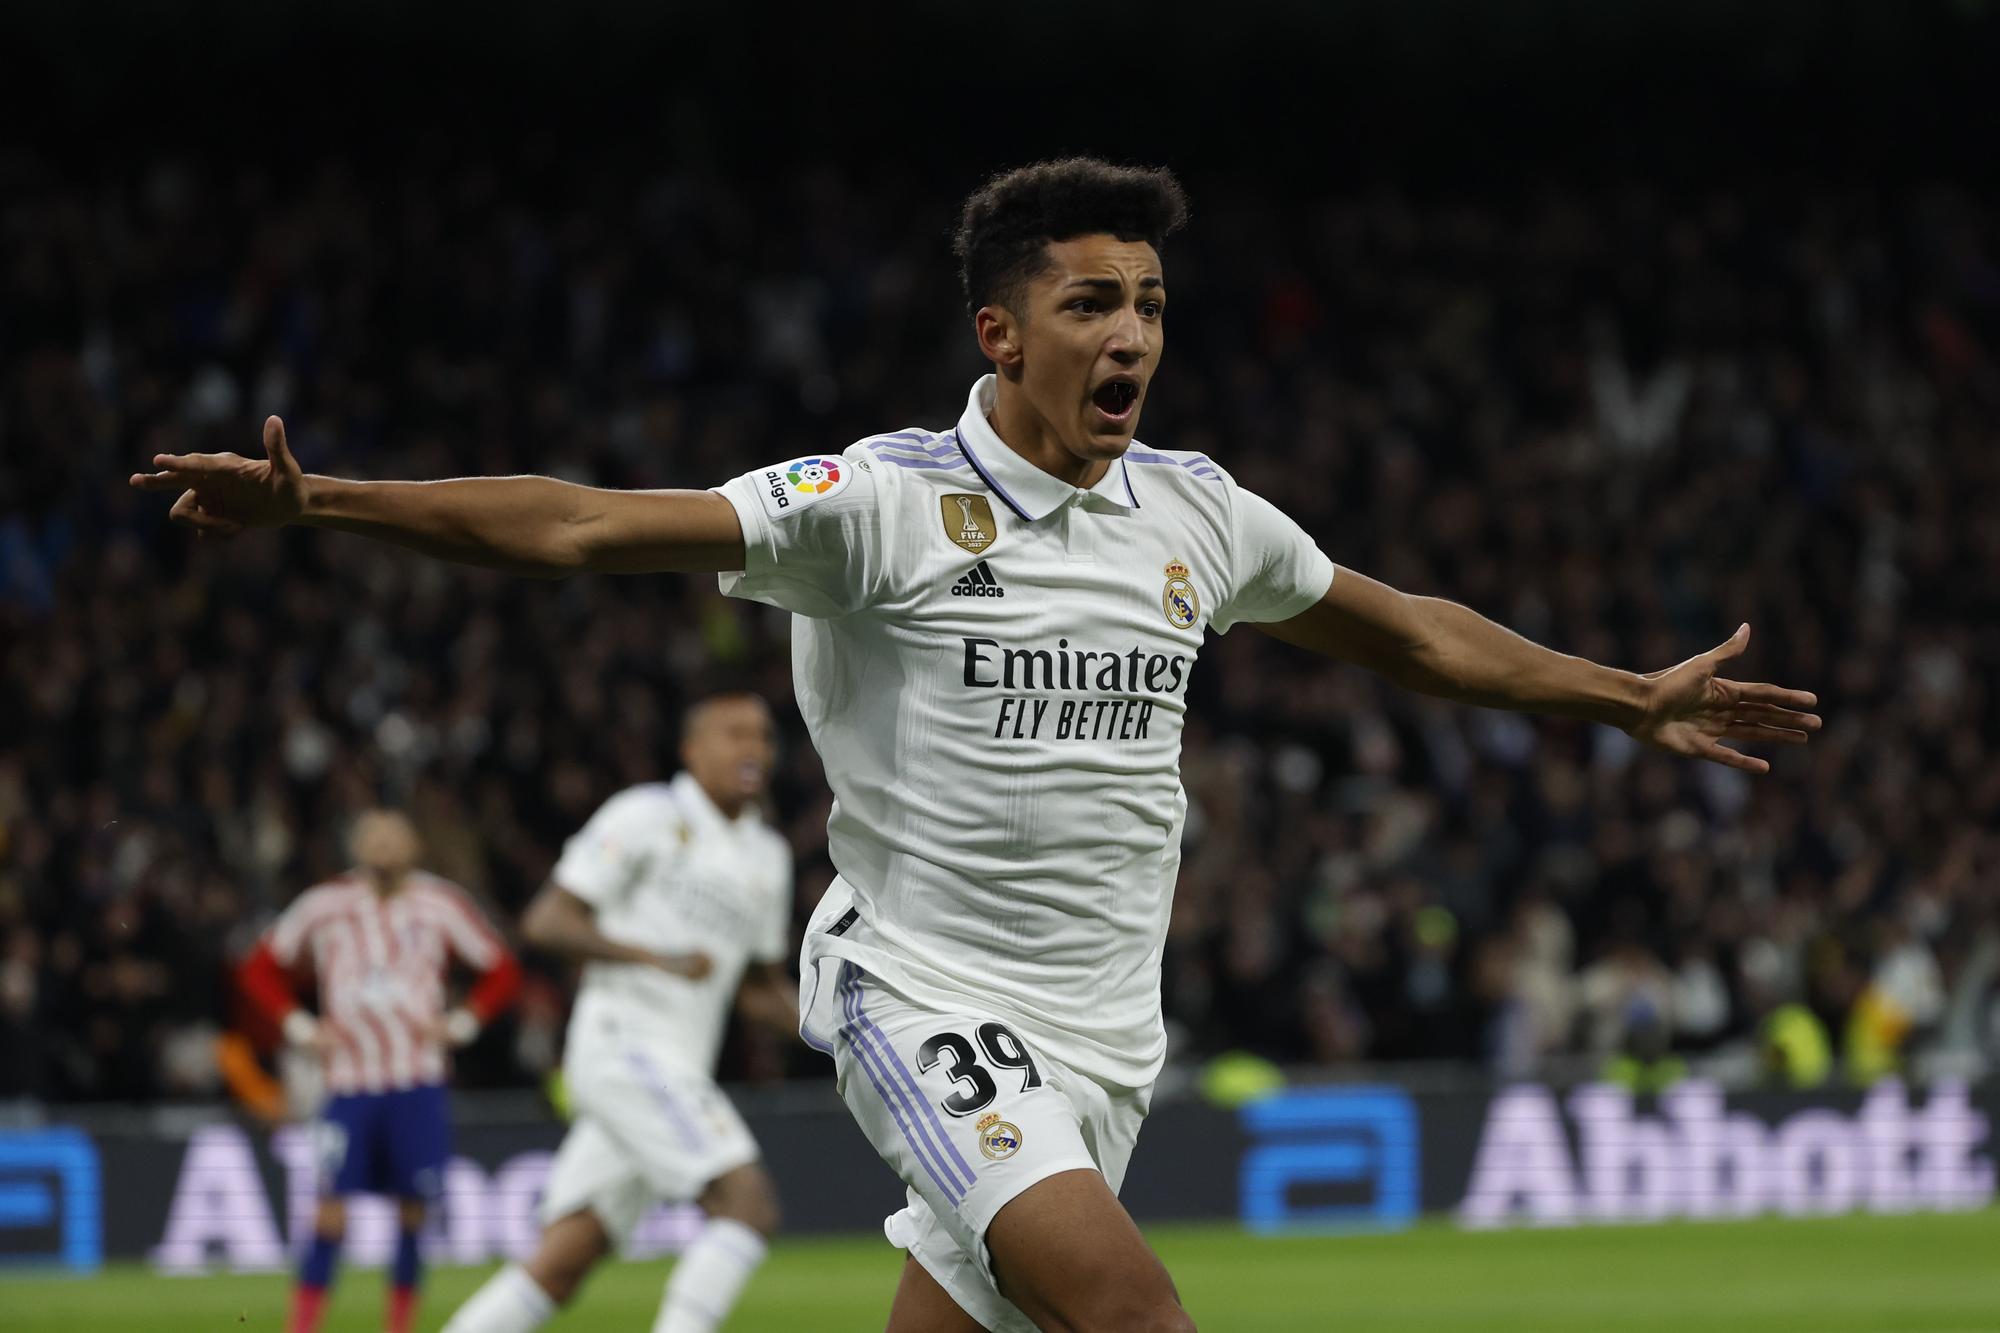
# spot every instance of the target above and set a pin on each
(49, 1190)
(1358, 1141)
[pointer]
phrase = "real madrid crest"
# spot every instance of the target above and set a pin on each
(998, 1139)
(968, 521)
(1180, 601)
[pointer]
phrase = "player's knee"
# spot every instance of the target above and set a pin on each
(757, 1209)
(410, 1214)
(1137, 1316)
(1119, 1307)
(570, 1248)
(560, 1281)
(747, 1196)
(330, 1219)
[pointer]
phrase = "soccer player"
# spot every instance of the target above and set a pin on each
(996, 625)
(678, 898)
(380, 940)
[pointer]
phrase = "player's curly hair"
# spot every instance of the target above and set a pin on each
(1008, 223)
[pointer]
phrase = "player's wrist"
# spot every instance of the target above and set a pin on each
(317, 498)
(461, 1026)
(1639, 701)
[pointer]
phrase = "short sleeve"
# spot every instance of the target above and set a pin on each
(814, 536)
(601, 859)
(773, 945)
(291, 934)
(475, 942)
(1276, 570)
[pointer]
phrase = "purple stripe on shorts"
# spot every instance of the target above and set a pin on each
(657, 1085)
(866, 1039)
(910, 1081)
(893, 1097)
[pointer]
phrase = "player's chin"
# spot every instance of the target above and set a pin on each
(1106, 436)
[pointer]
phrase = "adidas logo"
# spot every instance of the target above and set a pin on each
(978, 582)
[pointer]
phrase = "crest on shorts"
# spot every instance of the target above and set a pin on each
(998, 1139)
(968, 521)
(1180, 601)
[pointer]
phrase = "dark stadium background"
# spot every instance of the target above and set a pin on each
(1621, 323)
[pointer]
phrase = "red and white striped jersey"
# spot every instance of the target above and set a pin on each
(382, 963)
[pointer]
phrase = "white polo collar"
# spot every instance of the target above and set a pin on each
(1024, 488)
(702, 811)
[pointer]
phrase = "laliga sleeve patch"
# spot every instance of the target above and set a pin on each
(790, 487)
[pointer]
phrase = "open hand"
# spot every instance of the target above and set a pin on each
(222, 494)
(1691, 711)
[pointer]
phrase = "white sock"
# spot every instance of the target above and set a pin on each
(709, 1277)
(510, 1302)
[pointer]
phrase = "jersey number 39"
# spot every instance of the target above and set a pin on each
(1002, 1048)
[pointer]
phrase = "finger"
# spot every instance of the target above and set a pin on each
(1728, 758)
(275, 447)
(196, 464)
(1771, 715)
(1756, 692)
(1760, 735)
(1733, 646)
(188, 510)
(158, 481)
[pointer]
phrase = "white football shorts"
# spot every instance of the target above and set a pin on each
(644, 1130)
(967, 1114)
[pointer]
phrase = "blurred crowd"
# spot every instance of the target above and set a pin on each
(1621, 420)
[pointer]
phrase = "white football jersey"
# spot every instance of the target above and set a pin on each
(668, 871)
(994, 666)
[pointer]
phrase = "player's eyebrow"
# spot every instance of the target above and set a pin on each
(1112, 284)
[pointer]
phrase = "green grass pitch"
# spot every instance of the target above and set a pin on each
(1838, 1275)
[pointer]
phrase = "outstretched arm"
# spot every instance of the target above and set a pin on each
(1440, 648)
(524, 525)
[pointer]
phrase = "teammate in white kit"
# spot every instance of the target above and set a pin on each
(678, 899)
(996, 627)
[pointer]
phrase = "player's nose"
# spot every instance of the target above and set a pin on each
(1129, 341)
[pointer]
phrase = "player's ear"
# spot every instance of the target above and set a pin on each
(999, 335)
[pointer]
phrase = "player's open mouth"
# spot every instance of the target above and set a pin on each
(1115, 398)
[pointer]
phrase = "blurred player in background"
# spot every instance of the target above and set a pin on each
(996, 627)
(678, 899)
(380, 940)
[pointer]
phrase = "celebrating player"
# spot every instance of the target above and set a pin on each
(668, 894)
(380, 939)
(995, 630)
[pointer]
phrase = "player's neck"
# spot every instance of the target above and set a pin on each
(1029, 434)
(385, 886)
(731, 807)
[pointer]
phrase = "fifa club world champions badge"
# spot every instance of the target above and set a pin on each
(968, 521)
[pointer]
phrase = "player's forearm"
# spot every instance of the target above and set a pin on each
(1456, 653)
(772, 1006)
(262, 979)
(578, 940)
(536, 526)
